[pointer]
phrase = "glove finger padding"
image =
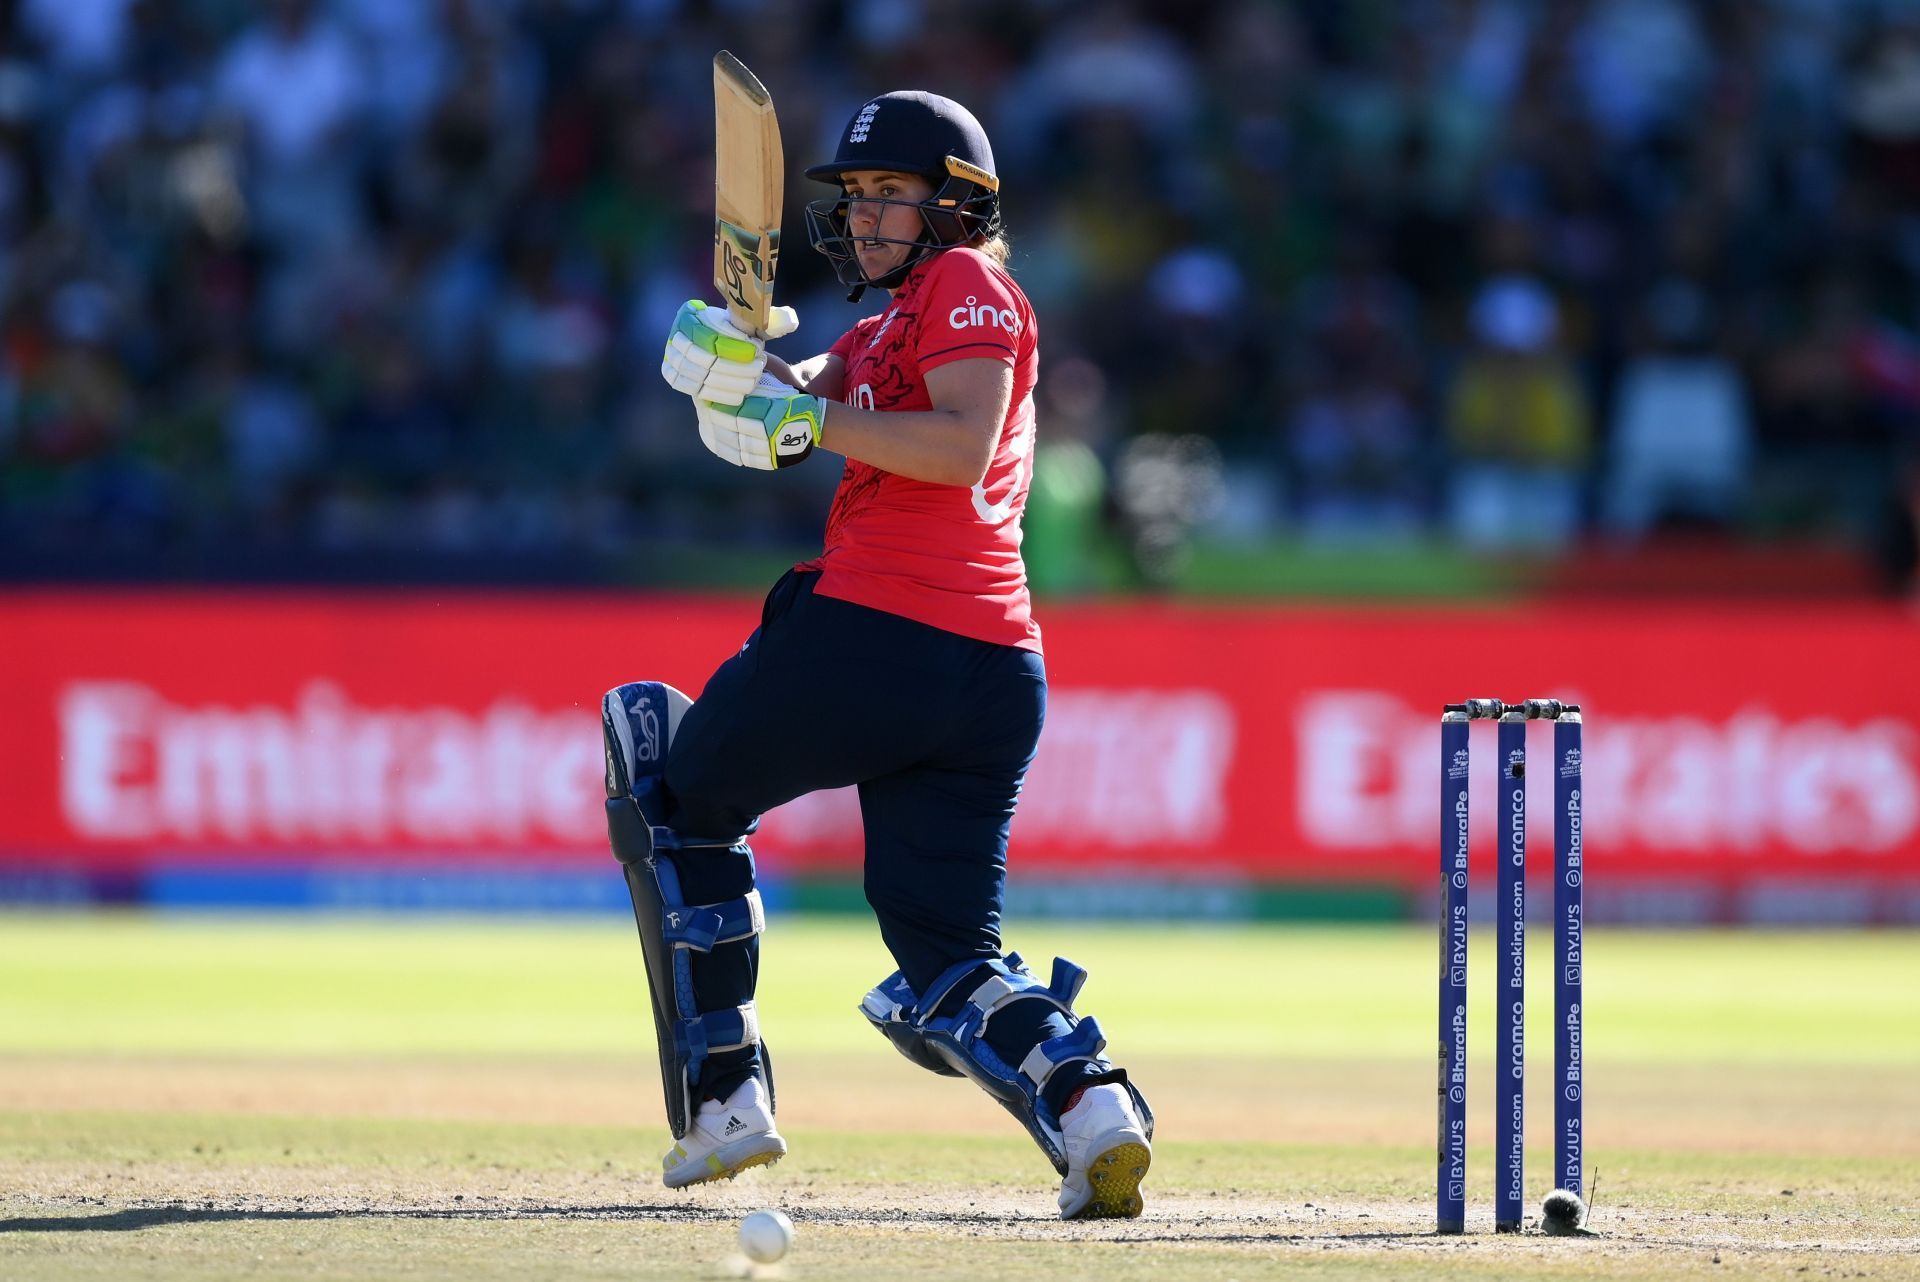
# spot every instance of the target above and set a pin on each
(699, 374)
(720, 441)
(710, 358)
(741, 442)
(775, 427)
(713, 330)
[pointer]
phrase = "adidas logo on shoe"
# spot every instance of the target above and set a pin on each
(725, 1139)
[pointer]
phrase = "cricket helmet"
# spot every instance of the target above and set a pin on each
(910, 132)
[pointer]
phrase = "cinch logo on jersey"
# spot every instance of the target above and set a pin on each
(863, 122)
(974, 313)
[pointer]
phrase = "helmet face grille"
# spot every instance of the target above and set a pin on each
(945, 221)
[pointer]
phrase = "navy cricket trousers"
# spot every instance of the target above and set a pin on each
(936, 729)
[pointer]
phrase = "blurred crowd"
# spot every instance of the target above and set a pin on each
(292, 283)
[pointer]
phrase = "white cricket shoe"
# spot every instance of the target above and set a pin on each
(1107, 1156)
(725, 1139)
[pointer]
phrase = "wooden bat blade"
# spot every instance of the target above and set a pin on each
(749, 177)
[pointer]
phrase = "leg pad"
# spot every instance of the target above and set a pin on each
(955, 1043)
(637, 721)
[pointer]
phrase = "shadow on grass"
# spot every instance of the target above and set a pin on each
(151, 1217)
(1278, 1237)
(132, 1219)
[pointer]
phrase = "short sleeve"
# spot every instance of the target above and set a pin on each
(844, 348)
(971, 312)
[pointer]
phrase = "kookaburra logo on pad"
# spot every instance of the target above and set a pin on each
(648, 747)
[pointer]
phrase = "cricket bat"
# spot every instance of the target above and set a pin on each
(749, 177)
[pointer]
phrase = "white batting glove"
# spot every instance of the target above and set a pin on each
(710, 358)
(775, 427)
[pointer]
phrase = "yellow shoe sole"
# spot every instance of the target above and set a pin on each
(1115, 1176)
(718, 1170)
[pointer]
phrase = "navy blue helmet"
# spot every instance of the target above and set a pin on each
(910, 132)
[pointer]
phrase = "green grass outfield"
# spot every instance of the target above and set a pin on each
(281, 1097)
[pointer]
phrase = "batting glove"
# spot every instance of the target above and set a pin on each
(710, 358)
(774, 427)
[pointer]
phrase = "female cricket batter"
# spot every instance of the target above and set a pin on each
(904, 660)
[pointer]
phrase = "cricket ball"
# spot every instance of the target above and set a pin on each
(766, 1235)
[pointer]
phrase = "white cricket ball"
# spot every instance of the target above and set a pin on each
(766, 1235)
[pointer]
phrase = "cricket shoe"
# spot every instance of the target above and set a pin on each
(725, 1139)
(1107, 1156)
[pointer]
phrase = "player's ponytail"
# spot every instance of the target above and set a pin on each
(997, 248)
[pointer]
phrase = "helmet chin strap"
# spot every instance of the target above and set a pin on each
(893, 277)
(889, 281)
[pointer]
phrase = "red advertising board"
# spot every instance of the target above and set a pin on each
(1722, 745)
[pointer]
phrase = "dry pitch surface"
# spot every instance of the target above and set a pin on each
(319, 1100)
